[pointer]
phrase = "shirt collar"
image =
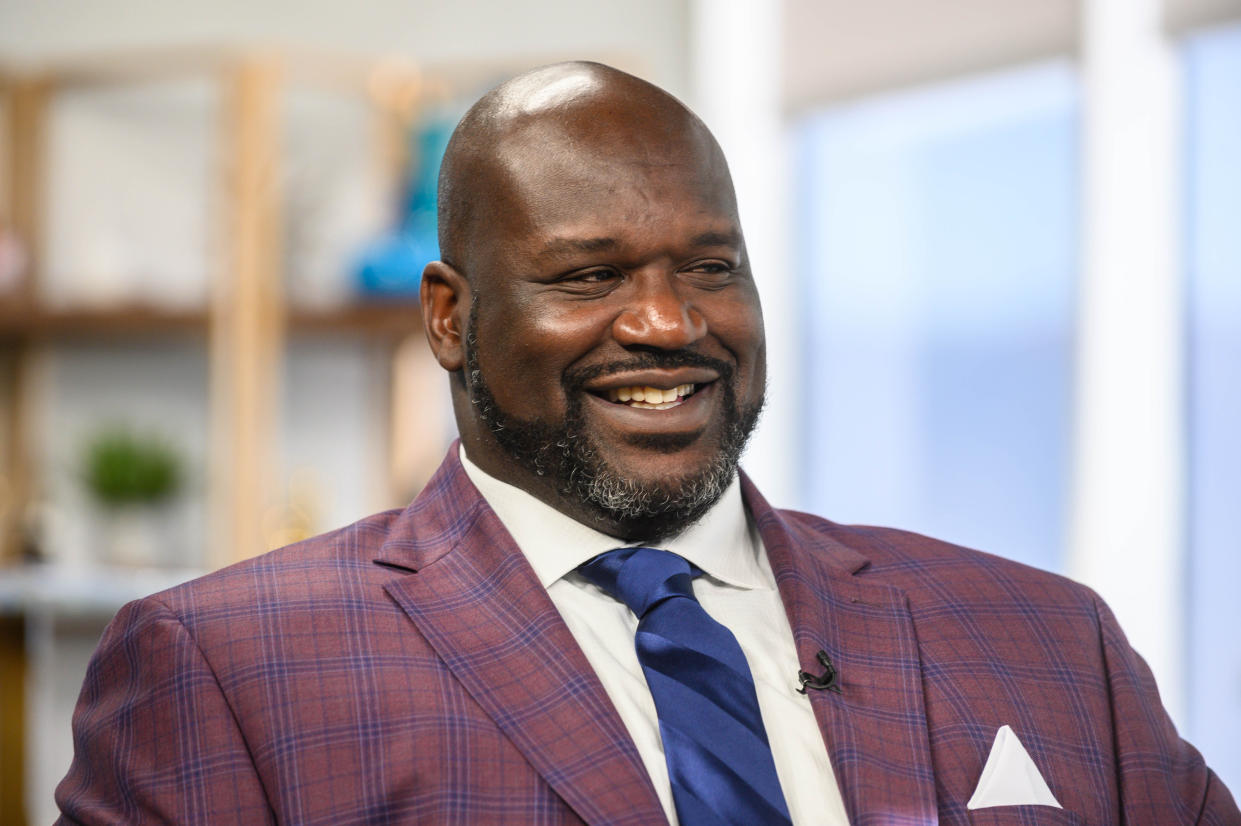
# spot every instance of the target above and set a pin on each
(721, 543)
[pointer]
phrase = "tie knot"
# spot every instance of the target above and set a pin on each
(642, 577)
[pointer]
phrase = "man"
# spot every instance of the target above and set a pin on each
(473, 658)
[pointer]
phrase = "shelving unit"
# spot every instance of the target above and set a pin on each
(247, 319)
(244, 327)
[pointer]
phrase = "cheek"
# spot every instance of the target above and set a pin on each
(739, 328)
(562, 330)
(530, 349)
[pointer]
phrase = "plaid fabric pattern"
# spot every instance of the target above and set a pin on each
(938, 646)
(411, 668)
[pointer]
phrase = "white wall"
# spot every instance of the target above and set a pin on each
(648, 34)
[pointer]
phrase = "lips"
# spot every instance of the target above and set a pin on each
(650, 389)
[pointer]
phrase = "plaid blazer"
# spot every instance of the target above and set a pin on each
(411, 668)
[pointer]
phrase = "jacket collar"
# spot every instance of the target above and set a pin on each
(875, 729)
(480, 605)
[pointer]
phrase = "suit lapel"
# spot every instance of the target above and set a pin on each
(479, 604)
(875, 729)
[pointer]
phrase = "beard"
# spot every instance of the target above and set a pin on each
(566, 453)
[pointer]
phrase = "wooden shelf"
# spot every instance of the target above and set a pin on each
(391, 318)
(25, 322)
(373, 319)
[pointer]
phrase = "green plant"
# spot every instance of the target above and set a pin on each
(125, 469)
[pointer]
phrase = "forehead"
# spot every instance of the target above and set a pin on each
(611, 178)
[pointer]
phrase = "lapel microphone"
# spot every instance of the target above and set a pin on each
(829, 680)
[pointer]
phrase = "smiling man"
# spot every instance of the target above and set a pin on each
(595, 301)
(589, 615)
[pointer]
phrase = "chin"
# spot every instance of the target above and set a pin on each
(642, 506)
(663, 444)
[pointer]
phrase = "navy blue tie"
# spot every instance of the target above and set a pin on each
(719, 760)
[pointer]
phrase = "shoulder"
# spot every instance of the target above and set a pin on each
(348, 563)
(933, 571)
(332, 567)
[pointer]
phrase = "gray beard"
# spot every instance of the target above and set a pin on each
(570, 458)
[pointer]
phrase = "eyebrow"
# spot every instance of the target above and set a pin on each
(567, 246)
(558, 247)
(730, 238)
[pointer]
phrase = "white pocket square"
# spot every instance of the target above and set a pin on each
(1010, 777)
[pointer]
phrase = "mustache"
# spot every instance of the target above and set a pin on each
(574, 380)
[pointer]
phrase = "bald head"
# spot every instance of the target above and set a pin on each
(576, 113)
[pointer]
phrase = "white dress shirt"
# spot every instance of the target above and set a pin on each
(738, 590)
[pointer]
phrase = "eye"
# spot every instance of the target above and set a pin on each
(589, 281)
(711, 272)
(711, 267)
(592, 276)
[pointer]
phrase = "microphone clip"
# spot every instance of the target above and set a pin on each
(829, 680)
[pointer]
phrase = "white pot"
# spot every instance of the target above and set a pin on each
(136, 535)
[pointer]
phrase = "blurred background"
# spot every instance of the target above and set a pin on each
(997, 245)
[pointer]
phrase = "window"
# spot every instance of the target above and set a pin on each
(938, 253)
(1213, 252)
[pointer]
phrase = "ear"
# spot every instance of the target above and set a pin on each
(445, 299)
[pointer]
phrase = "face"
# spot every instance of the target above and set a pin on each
(615, 350)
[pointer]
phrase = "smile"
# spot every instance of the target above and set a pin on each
(650, 398)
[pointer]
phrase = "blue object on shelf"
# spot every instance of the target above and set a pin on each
(392, 264)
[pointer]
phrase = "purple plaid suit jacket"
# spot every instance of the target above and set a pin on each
(411, 668)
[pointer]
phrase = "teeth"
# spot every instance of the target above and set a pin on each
(650, 398)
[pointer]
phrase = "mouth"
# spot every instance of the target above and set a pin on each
(660, 399)
(648, 397)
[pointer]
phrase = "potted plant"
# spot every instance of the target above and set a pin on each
(133, 479)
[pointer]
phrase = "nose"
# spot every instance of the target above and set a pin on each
(659, 316)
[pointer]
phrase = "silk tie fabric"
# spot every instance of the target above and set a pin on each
(719, 760)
